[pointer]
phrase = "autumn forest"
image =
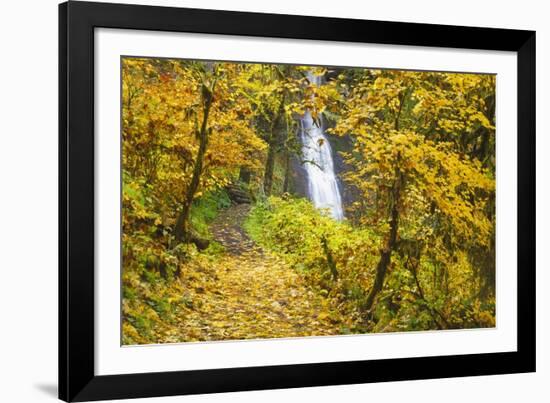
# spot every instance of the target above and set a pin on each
(267, 200)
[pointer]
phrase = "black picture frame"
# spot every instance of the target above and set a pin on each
(77, 379)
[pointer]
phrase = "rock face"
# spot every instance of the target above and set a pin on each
(238, 195)
(343, 144)
(298, 183)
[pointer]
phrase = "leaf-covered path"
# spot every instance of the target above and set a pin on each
(254, 294)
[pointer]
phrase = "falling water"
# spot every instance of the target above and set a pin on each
(322, 185)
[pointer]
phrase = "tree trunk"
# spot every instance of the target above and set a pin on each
(330, 260)
(391, 241)
(182, 232)
(269, 166)
(286, 183)
(274, 141)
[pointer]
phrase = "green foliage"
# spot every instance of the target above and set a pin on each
(295, 229)
(206, 208)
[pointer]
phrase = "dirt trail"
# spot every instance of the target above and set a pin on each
(228, 230)
(255, 294)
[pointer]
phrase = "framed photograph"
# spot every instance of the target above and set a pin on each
(257, 201)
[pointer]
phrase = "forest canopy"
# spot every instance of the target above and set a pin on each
(267, 200)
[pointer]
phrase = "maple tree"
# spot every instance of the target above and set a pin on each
(426, 177)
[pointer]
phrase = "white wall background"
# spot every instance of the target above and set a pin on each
(28, 199)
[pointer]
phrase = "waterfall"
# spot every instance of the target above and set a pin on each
(322, 184)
